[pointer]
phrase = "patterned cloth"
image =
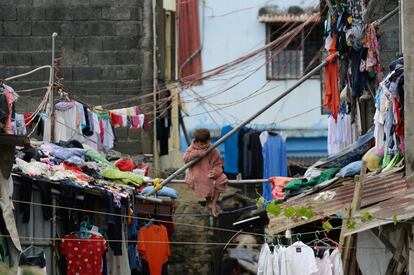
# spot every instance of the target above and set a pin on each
(84, 256)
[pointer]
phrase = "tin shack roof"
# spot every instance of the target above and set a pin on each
(377, 188)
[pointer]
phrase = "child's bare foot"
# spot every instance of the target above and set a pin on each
(215, 210)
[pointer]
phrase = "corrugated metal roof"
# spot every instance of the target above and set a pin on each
(402, 206)
(377, 188)
(274, 18)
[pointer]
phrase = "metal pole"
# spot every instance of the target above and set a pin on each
(247, 121)
(386, 17)
(51, 82)
(230, 181)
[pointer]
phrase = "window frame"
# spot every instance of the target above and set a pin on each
(269, 65)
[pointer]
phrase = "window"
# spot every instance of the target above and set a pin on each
(299, 57)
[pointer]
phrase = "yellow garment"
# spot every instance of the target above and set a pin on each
(373, 158)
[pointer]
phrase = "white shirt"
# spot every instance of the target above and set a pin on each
(268, 262)
(300, 260)
(324, 265)
(337, 268)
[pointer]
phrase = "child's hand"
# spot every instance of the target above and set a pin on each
(212, 174)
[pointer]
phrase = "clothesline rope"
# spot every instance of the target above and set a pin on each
(132, 217)
(245, 245)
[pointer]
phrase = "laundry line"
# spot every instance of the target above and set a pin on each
(134, 217)
(178, 242)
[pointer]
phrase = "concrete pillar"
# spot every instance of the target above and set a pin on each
(146, 47)
(408, 22)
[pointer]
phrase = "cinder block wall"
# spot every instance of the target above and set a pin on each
(102, 44)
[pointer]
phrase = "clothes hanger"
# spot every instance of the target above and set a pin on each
(33, 247)
(151, 216)
(327, 239)
(83, 232)
(317, 241)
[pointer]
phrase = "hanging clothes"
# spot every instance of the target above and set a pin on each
(84, 256)
(127, 117)
(7, 109)
(153, 245)
(243, 156)
(255, 147)
(372, 44)
(231, 151)
(94, 141)
(38, 260)
(278, 186)
(300, 260)
(19, 126)
(106, 132)
(6, 205)
(119, 264)
(339, 133)
(268, 262)
(331, 100)
(359, 71)
(336, 261)
(324, 264)
(67, 124)
(274, 160)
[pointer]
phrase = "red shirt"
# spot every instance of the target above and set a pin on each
(84, 256)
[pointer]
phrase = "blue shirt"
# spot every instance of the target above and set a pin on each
(274, 162)
(231, 151)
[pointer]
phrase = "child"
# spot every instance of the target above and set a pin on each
(206, 177)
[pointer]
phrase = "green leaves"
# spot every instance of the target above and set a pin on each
(304, 212)
(290, 212)
(259, 202)
(351, 224)
(366, 216)
(273, 208)
(327, 226)
(394, 219)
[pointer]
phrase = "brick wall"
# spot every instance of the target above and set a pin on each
(186, 258)
(101, 41)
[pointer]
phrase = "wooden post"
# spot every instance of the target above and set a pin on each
(355, 206)
(411, 252)
(155, 84)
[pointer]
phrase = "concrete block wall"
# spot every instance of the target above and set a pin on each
(390, 38)
(101, 42)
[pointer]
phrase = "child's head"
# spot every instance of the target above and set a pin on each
(201, 135)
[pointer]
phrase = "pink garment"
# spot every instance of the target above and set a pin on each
(102, 128)
(278, 186)
(372, 63)
(135, 122)
(8, 92)
(197, 175)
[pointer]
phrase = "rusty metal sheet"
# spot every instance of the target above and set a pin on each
(377, 188)
(402, 206)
